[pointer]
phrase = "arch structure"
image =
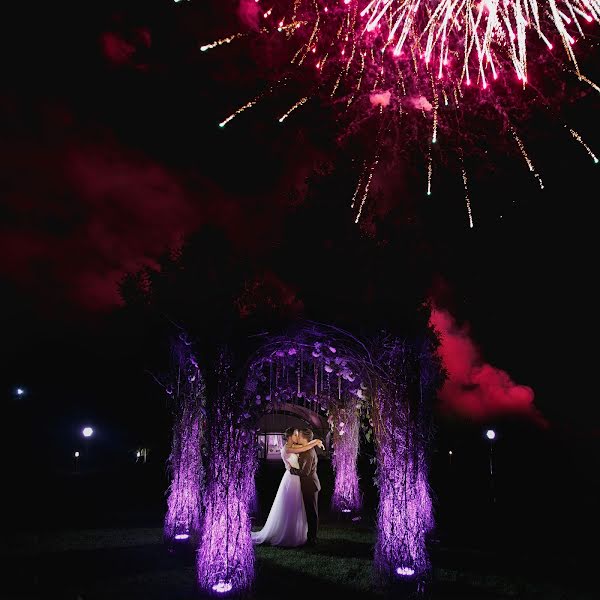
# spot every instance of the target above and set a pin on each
(385, 388)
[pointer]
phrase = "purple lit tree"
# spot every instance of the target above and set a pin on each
(188, 397)
(225, 560)
(345, 424)
(400, 416)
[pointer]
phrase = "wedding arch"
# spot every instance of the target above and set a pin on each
(384, 386)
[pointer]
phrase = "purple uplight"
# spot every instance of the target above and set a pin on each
(222, 586)
(405, 571)
(182, 536)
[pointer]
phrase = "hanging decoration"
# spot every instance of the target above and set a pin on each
(345, 424)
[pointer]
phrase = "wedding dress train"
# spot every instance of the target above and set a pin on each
(286, 524)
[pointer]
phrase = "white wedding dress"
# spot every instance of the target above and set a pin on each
(286, 524)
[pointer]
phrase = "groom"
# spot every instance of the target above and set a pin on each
(310, 484)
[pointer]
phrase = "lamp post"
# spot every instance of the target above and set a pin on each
(87, 433)
(76, 455)
(450, 457)
(490, 434)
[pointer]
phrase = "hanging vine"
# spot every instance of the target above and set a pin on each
(401, 423)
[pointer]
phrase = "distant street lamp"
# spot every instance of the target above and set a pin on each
(20, 391)
(87, 432)
(450, 457)
(76, 455)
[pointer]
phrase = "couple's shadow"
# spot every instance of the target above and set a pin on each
(277, 567)
(338, 548)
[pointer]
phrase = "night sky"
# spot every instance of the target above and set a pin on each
(111, 153)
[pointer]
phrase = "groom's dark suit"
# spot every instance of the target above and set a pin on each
(310, 485)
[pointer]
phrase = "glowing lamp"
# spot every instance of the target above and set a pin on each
(222, 587)
(490, 434)
(20, 391)
(450, 452)
(87, 432)
(346, 510)
(182, 536)
(77, 454)
(138, 453)
(405, 571)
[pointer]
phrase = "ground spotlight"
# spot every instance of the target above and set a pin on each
(222, 587)
(182, 536)
(405, 571)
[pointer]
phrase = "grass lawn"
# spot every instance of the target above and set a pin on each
(133, 563)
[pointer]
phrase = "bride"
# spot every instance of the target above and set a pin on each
(286, 524)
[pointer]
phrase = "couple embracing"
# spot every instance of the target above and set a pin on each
(294, 516)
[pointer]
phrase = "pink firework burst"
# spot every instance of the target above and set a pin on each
(426, 63)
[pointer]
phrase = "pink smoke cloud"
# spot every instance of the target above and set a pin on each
(380, 98)
(249, 12)
(421, 103)
(91, 214)
(474, 388)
